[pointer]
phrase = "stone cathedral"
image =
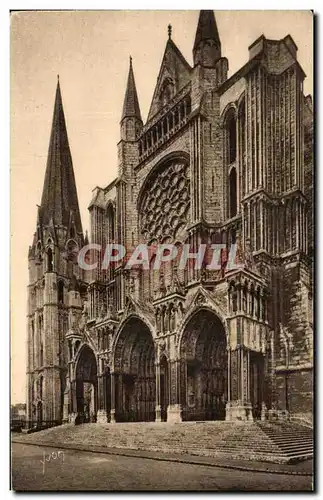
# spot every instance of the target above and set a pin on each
(218, 160)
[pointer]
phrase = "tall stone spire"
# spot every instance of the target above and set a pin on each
(131, 104)
(59, 196)
(207, 45)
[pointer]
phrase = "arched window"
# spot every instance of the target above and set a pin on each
(112, 227)
(111, 223)
(70, 350)
(234, 297)
(231, 137)
(245, 298)
(60, 292)
(252, 302)
(76, 346)
(242, 126)
(40, 336)
(38, 249)
(41, 387)
(49, 260)
(258, 298)
(264, 308)
(233, 192)
(33, 342)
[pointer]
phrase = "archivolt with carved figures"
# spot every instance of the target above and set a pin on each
(204, 367)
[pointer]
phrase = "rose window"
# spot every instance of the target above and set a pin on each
(166, 203)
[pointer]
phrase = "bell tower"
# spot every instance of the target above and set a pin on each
(53, 265)
(207, 45)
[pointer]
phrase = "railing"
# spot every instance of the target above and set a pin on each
(161, 113)
(38, 425)
(17, 424)
(167, 126)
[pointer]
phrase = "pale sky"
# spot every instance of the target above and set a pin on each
(90, 51)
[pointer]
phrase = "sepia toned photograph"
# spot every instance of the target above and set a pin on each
(162, 251)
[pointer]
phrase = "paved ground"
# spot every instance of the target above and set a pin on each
(77, 470)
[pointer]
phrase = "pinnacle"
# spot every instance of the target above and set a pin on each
(59, 192)
(131, 104)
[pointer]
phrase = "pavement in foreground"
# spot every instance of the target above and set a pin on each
(87, 471)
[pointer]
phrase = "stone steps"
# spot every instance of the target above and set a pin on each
(245, 440)
(294, 440)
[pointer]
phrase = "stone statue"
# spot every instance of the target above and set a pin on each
(287, 339)
(248, 257)
(131, 286)
(102, 311)
(85, 310)
(111, 312)
(172, 319)
(162, 288)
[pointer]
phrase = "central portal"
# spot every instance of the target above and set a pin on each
(204, 368)
(135, 386)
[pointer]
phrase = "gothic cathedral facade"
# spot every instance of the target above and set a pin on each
(219, 160)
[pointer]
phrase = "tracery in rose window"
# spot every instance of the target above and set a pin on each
(164, 208)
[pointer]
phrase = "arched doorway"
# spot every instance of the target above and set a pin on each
(134, 375)
(204, 368)
(256, 382)
(86, 386)
(39, 414)
(107, 391)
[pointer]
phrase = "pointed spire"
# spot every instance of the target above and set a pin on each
(38, 215)
(206, 28)
(207, 45)
(59, 192)
(131, 103)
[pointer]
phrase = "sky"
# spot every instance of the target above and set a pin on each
(90, 51)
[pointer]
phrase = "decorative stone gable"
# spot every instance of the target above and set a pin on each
(174, 74)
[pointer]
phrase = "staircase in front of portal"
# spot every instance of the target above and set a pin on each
(272, 442)
(295, 441)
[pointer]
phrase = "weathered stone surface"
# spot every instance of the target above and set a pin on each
(219, 161)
